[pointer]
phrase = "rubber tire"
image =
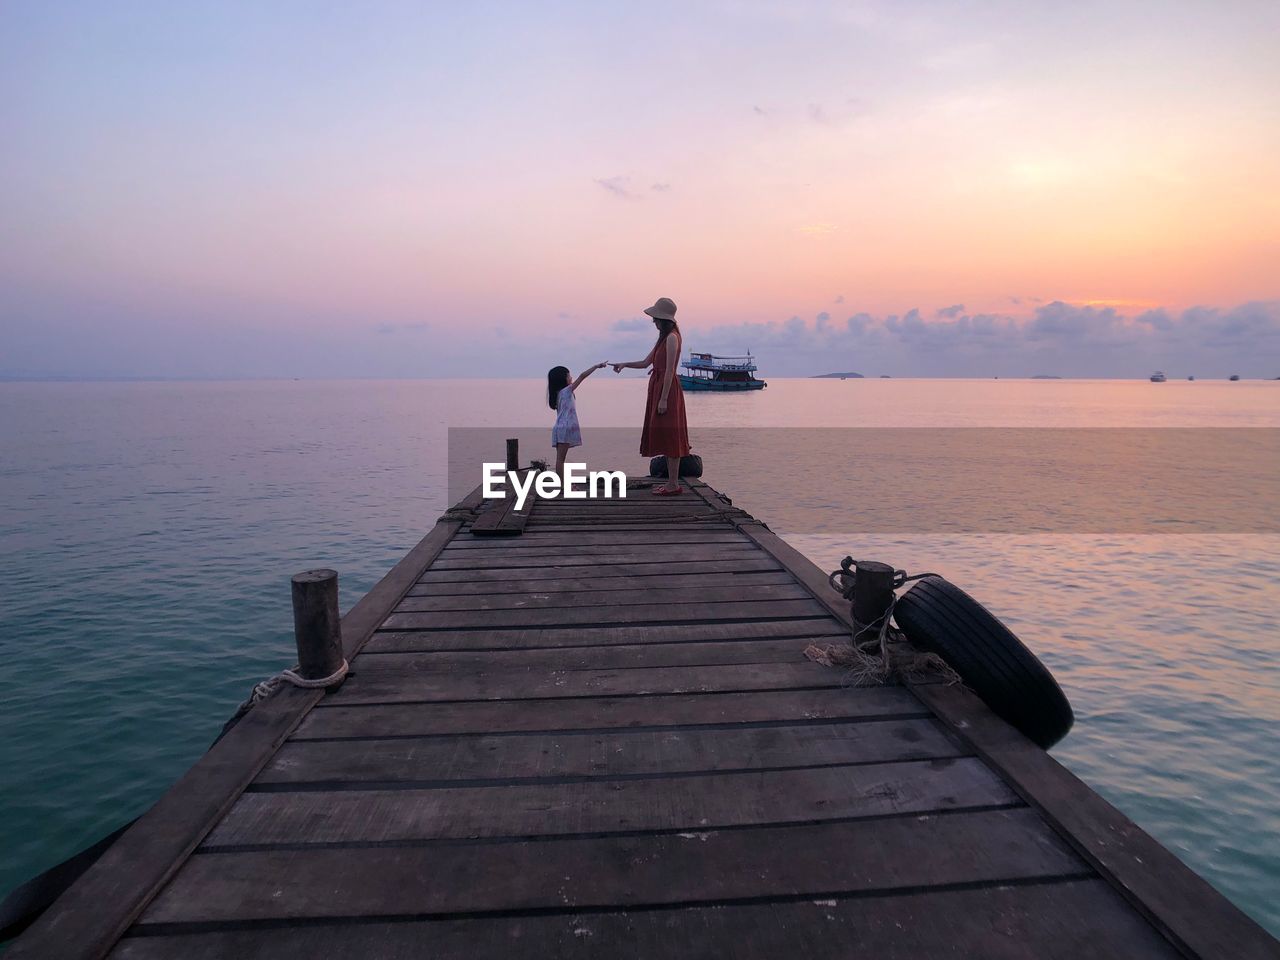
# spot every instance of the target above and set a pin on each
(938, 616)
(690, 466)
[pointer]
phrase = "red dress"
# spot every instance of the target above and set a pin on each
(667, 434)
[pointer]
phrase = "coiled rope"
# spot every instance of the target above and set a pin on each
(878, 651)
(264, 689)
(267, 687)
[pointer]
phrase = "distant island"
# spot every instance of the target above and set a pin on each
(1045, 376)
(850, 375)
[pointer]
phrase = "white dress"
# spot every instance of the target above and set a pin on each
(566, 429)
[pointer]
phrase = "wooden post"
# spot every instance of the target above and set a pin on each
(316, 625)
(513, 455)
(872, 594)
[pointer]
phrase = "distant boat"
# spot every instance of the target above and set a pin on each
(1190, 376)
(1234, 376)
(705, 371)
(1158, 377)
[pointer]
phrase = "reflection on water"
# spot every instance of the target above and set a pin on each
(149, 531)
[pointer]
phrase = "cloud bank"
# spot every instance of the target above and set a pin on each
(91, 340)
(1057, 339)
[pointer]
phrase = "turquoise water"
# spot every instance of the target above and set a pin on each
(148, 531)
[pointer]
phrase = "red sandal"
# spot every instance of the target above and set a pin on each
(666, 492)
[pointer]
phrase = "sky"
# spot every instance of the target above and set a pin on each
(381, 189)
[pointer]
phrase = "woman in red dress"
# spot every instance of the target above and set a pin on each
(665, 434)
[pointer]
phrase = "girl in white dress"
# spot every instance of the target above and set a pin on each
(566, 433)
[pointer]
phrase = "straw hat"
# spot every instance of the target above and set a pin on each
(663, 308)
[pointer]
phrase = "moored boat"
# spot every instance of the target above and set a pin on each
(1158, 377)
(705, 371)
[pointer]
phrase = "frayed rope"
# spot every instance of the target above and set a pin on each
(878, 652)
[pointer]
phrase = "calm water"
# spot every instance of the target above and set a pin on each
(149, 530)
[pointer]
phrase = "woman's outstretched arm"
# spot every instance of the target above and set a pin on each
(586, 373)
(637, 364)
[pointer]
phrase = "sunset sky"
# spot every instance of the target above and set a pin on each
(482, 189)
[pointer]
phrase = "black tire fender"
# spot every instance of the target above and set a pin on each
(938, 616)
(690, 466)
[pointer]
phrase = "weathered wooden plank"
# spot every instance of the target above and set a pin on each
(395, 641)
(664, 592)
(663, 870)
(1182, 905)
(606, 713)
(592, 537)
(647, 568)
(647, 501)
(1079, 919)
(689, 519)
(622, 544)
(536, 552)
(500, 518)
(699, 802)
(426, 687)
(792, 560)
(492, 520)
(691, 512)
(553, 561)
(624, 526)
(634, 522)
(440, 760)
(93, 913)
(547, 531)
(629, 552)
(584, 616)
(614, 657)
(574, 584)
(637, 520)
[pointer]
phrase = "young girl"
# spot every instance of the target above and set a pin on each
(565, 433)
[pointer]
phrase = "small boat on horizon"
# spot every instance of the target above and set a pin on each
(1234, 376)
(705, 371)
(1158, 377)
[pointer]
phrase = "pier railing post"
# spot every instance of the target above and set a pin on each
(317, 627)
(872, 594)
(513, 455)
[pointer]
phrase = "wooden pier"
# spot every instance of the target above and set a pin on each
(600, 738)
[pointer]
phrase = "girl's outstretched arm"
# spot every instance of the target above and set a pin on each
(637, 364)
(586, 373)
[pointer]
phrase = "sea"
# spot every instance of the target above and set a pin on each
(148, 531)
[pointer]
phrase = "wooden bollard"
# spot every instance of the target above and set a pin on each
(513, 455)
(872, 594)
(317, 627)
